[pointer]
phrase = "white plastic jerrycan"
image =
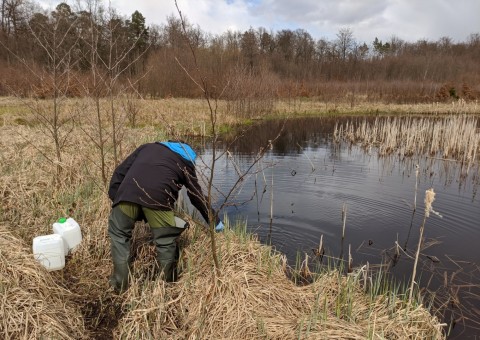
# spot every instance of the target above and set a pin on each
(49, 251)
(70, 231)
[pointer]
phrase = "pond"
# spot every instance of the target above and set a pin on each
(304, 184)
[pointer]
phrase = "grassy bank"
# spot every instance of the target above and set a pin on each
(251, 298)
(191, 116)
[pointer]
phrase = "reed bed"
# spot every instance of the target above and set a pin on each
(32, 305)
(452, 137)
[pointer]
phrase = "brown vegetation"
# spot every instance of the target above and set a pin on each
(33, 305)
(453, 137)
(254, 67)
(251, 297)
(254, 299)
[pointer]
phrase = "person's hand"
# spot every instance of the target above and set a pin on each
(219, 227)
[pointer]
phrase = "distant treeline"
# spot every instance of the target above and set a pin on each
(93, 50)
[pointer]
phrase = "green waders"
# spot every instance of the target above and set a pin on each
(120, 226)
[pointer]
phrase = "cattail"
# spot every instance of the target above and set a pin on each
(429, 198)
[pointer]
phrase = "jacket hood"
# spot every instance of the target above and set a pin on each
(183, 149)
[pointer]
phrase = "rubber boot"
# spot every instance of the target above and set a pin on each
(120, 231)
(164, 239)
(119, 279)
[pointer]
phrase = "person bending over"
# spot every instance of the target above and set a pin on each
(145, 186)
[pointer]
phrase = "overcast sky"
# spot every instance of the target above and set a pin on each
(409, 20)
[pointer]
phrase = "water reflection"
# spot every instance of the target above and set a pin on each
(309, 133)
(296, 197)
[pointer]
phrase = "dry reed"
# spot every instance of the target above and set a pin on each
(429, 198)
(254, 299)
(452, 137)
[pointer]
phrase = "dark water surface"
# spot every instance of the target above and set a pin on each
(313, 178)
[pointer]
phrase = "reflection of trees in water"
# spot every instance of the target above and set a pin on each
(309, 132)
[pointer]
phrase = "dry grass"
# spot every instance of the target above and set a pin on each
(32, 305)
(252, 299)
(191, 116)
(364, 106)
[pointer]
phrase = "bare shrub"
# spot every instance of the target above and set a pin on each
(131, 110)
(467, 92)
(250, 95)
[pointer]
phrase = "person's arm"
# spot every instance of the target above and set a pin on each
(196, 196)
(120, 173)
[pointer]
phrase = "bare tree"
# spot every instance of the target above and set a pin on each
(345, 42)
(2, 13)
(91, 37)
(266, 41)
(250, 50)
(111, 51)
(212, 97)
(11, 14)
(54, 38)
